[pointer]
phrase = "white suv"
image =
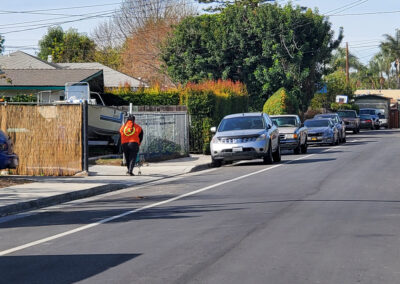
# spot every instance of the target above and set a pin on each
(245, 136)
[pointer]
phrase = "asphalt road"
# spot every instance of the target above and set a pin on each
(330, 216)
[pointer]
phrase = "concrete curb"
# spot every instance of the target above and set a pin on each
(58, 199)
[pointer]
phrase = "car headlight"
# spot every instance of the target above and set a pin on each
(261, 137)
(291, 136)
(215, 140)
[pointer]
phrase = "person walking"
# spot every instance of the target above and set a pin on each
(131, 137)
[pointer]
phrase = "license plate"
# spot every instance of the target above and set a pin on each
(314, 139)
(237, 149)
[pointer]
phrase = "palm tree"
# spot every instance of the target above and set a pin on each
(391, 47)
(339, 60)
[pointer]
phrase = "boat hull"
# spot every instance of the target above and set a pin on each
(103, 121)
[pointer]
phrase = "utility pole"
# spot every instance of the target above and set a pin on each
(347, 63)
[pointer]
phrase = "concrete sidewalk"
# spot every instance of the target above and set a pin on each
(47, 191)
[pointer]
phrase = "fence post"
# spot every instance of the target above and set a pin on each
(85, 143)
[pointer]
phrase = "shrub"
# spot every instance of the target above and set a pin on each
(337, 106)
(319, 101)
(148, 96)
(208, 102)
(281, 102)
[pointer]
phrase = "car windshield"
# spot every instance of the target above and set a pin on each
(365, 116)
(317, 123)
(333, 117)
(347, 114)
(284, 121)
(241, 123)
(367, 111)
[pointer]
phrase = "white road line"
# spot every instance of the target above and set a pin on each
(86, 227)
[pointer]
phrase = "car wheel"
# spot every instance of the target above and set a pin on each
(216, 163)
(277, 154)
(268, 159)
(304, 148)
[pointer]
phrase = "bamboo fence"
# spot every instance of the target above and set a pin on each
(47, 139)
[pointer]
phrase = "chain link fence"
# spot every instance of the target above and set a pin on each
(166, 134)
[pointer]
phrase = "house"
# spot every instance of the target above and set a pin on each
(112, 78)
(393, 94)
(48, 84)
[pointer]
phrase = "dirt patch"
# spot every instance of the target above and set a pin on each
(9, 181)
(108, 162)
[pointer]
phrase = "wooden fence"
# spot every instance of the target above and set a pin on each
(47, 138)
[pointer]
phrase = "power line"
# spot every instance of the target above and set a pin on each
(58, 9)
(367, 13)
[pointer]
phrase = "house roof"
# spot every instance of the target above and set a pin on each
(42, 77)
(22, 60)
(112, 78)
(394, 94)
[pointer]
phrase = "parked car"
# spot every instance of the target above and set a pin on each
(8, 159)
(339, 124)
(245, 136)
(383, 121)
(374, 115)
(322, 131)
(351, 120)
(292, 133)
(367, 121)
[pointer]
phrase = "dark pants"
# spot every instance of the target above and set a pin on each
(131, 150)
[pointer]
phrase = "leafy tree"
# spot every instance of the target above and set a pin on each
(391, 47)
(69, 46)
(221, 4)
(136, 32)
(336, 85)
(266, 47)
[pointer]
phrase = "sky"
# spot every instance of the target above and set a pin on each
(24, 22)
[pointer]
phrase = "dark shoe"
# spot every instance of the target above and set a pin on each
(131, 174)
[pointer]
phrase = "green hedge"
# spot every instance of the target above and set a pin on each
(337, 106)
(148, 97)
(206, 110)
(281, 102)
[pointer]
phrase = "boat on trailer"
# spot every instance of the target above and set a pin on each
(104, 121)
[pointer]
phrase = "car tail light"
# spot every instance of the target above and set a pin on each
(368, 120)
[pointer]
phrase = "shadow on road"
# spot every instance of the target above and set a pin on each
(61, 269)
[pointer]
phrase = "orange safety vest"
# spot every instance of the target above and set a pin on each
(130, 132)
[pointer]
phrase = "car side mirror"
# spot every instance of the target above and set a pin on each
(213, 129)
